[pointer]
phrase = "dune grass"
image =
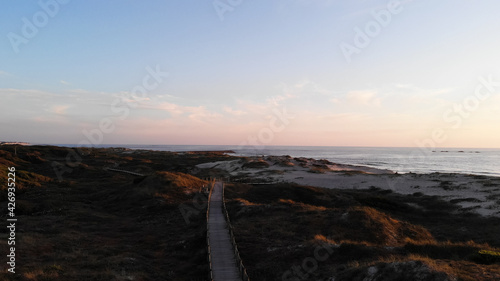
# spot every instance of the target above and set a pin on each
(100, 225)
(280, 226)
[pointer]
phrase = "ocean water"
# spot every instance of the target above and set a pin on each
(402, 160)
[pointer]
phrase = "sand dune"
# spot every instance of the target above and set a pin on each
(480, 194)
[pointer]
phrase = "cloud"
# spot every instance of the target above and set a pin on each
(343, 117)
(234, 112)
(59, 109)
(166, 96)
(305, 87)
(50, 121)
(80, 91)
(415, 89)
(416, 95)
(364, 98)
(3, 73)
(171, 108)
(193, 113)
(335, 100)
(64, 82)
(27, 93)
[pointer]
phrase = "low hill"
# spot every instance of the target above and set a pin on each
(293, 232)
(95, 224)
(79, 218)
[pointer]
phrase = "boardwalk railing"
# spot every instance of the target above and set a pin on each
(243, 271)
(209, 254)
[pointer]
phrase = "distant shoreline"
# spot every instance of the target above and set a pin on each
(14, 143)
(469, 161)
(476, 193)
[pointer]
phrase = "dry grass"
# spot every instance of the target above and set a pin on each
(246, 203)
(306, 207)
(100, 225)
(182, 180)
(365, 228)
(321, 239)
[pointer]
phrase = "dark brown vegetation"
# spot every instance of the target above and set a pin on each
(255, 164)
(96, 224)
(373, 234)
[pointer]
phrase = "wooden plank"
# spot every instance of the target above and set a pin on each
(224, 265)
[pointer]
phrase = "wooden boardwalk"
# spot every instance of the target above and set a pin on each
(224, 265)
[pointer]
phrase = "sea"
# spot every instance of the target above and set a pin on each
(398, 159)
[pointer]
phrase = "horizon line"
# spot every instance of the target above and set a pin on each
(263, 146)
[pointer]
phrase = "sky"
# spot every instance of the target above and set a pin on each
(240, 72)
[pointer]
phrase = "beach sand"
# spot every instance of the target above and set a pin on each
(479, 194)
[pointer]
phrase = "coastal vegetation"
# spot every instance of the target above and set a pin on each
(373, 234)
(95, 223)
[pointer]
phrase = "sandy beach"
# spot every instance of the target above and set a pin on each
(479, 194)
